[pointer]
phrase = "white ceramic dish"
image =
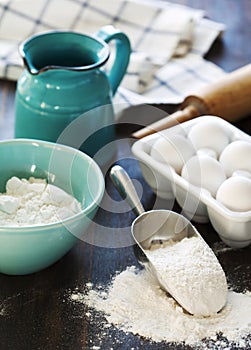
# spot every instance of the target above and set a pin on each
(234, 228)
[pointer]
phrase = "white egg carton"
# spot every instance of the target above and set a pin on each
(234, 228)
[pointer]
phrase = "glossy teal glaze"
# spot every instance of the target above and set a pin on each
(64, 79)
(25, 250)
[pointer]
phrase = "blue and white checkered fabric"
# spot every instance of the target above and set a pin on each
(168, 41)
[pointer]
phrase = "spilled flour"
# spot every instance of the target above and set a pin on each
(134, 302)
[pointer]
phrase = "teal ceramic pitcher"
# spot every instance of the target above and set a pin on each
(65, 93)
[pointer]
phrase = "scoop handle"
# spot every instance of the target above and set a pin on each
(126, 189)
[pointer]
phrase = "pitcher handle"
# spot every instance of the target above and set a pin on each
(122, 55)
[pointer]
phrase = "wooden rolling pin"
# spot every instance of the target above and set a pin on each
(228, 98)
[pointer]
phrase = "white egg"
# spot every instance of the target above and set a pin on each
(236, 156)
(244, 173)
(205, 172)
(207, 152)
(174, 150)
(209, 134)
(235, 194)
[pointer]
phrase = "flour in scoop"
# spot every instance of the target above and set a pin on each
(34, 202)
(190, 271)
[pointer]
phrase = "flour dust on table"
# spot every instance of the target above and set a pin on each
(144, 309)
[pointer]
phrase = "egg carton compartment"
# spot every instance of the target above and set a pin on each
(197, 202)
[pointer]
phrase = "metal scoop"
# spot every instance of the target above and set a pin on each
(152, 229)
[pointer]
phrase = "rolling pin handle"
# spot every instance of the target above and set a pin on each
(173, 119)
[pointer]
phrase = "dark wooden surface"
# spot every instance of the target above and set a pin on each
(37, 312)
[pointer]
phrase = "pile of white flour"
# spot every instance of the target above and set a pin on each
(190, 272)
(135, 303)
(34, 202)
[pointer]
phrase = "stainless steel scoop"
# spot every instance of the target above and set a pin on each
(153, 228)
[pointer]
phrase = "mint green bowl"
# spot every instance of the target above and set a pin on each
(28, 249)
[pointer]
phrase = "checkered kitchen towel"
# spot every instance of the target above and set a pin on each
(168, 41)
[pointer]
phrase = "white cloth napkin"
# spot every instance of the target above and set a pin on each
(168, 41)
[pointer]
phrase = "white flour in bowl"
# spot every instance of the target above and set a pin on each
(34, 202)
